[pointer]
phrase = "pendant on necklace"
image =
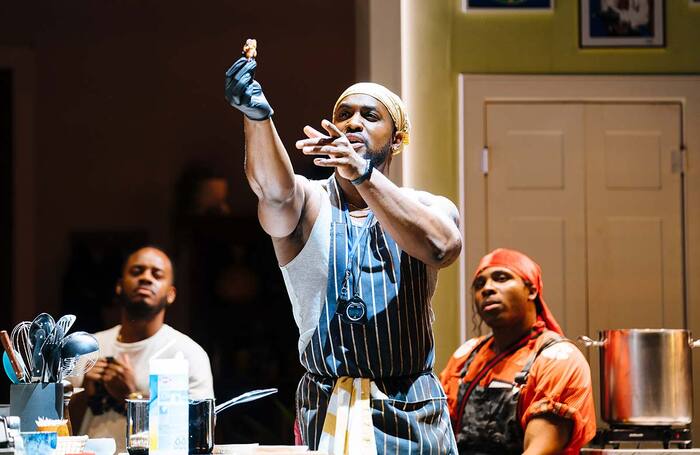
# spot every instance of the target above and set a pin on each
(353, 311)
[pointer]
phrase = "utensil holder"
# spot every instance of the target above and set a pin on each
(34, 400)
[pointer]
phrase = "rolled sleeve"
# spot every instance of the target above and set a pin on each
(560, 384)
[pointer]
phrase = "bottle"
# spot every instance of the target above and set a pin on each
(168, 411)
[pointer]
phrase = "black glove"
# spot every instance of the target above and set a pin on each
(245, 93)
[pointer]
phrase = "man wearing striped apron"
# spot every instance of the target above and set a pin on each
(360, 257)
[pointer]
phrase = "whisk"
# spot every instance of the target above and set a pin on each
(78, 366)
(22, 344)
(79, 352)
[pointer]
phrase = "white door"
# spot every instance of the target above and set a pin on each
(591, 193)
(634, 217)
(536, 199)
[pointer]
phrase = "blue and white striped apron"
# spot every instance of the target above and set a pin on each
(394, 347)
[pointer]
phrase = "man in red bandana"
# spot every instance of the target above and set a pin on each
(523, 388)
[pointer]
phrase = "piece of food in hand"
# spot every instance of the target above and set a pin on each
(250, 49)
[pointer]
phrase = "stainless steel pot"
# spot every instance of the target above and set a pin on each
(645, 376)
(203, 418)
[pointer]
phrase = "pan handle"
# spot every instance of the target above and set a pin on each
(583, 339)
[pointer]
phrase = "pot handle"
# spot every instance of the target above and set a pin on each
(583, 339)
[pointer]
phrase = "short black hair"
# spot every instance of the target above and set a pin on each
(154, 246)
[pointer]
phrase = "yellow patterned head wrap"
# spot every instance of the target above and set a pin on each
(390, 100)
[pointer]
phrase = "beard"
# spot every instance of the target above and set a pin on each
(140, 309)
(379, 156)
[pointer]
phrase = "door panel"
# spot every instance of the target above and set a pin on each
(534, 160)
(633, 217)
(632, 160)
(535, 199)
(627, 289)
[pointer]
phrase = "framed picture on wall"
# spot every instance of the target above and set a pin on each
(628, 23)
(508, 5)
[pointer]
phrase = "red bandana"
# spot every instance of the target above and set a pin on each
(528, 270)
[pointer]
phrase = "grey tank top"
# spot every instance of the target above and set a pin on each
(306, 276)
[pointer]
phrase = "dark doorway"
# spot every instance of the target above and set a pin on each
(6, 209)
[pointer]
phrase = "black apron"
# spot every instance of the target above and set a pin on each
(487, 420)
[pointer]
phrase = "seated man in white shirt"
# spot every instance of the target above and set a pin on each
(145, 290)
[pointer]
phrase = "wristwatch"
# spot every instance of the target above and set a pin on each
(365, 175)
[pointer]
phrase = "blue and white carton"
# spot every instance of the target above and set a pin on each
(169, 407)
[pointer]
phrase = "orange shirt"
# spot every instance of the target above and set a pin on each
(559, 383)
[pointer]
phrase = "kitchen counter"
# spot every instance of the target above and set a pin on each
(255, 449)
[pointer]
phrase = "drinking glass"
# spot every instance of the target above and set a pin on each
(137, 427)
(202, 418)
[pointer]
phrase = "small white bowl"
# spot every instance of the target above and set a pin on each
(101, 446)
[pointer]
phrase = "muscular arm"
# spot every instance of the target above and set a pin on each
(424, 225)
(270, 174)
(547, 434)
(280, 193)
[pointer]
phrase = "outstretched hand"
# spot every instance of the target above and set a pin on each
(341, 153)
(244, 93)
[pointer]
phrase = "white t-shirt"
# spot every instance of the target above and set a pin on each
(112, 424)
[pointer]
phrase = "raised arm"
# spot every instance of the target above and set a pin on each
(280, 193)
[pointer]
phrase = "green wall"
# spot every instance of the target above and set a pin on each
(517, 42)
(440, 41)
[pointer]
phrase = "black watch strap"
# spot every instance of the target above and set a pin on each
(365, 175)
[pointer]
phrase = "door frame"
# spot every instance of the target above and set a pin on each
(477, 91)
